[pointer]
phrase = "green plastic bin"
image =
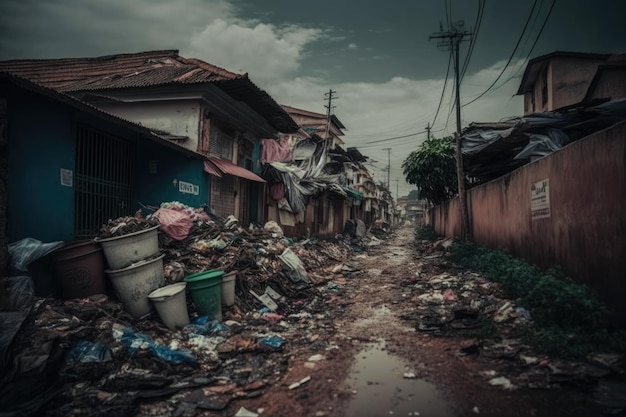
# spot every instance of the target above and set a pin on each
(206, 292)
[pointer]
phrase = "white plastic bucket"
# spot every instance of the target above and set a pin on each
(228, 289)
(133, 284)
(171, 304)
(122, 251)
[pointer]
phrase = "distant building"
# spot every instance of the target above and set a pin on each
(561, 79)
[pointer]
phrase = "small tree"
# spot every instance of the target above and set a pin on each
(432, 168)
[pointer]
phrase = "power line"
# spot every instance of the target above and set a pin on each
(396, 137)
(519, 40)
(477, 22)
(443, 92)
(534, 44)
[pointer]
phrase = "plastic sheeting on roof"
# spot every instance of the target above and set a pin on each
(491, 150)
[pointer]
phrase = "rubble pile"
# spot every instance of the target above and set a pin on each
(90, 357)
(447, 301)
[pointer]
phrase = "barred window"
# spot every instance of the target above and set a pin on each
(221, 141)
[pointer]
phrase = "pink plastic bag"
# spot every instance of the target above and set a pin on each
(176, 224)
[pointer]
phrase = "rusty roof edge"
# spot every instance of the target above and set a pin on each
(291, 125)
(167, 52)
(88, 108)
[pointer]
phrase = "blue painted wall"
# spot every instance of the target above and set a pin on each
(159, 172)
(41, 142)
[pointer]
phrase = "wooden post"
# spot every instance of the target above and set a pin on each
(465, 226)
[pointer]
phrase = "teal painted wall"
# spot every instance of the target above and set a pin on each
(154, 188)
(159, 171)
(41, 142)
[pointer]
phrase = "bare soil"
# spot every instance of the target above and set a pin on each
(371, 304)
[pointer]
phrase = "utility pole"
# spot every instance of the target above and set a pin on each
(397, 195)
(388, 165)
(329, 107)
(451, 40)
(428, 131)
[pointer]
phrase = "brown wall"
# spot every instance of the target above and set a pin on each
(586, 233)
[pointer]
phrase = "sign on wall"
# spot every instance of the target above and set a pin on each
(188, 188)
(67, 177)
(540, 199)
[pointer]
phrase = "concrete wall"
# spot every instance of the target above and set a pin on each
(611, 84)
(178, 117)
(586, 230)
(570, 79)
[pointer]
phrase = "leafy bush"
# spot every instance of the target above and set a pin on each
(570, 317)
(426, 232)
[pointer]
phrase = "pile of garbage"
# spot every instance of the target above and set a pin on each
(450, 302)
(91, 357)
(126, 225)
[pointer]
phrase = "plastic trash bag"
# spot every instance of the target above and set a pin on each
(86, 351)
(28, 250)
(175, 223)
(295, 266)
(205, 326)
(274, 342)
(135, 341)
(17, 293)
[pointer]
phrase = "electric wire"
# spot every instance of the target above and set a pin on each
(519, 40)
(443, 92)
(534, 44)
(477, 22)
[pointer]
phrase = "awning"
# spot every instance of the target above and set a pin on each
(211, 168)
(227, 167)
(354, 194)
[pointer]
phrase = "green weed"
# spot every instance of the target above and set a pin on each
(426, 232)
(570, 319)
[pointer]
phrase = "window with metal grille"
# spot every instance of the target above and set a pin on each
(221, 141)
(223, 195)
(104, 180)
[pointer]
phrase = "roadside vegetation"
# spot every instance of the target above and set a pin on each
(570, 320)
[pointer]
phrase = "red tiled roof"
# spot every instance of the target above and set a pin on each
(146, 69)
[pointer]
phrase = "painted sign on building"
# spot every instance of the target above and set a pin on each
(540, 199)
(188, 188)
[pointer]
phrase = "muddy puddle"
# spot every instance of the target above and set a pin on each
(379, 387)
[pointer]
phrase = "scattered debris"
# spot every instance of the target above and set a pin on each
(300, 383)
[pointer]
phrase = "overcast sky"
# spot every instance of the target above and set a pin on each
(376, 54)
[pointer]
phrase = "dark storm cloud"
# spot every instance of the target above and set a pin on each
(57, 28)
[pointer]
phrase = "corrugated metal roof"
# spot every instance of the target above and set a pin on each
(211, 168)
(147, 69)
(228, 167)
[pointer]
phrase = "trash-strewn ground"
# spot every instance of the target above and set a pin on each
(398, 304)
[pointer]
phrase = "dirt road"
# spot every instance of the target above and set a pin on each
(375, 363)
